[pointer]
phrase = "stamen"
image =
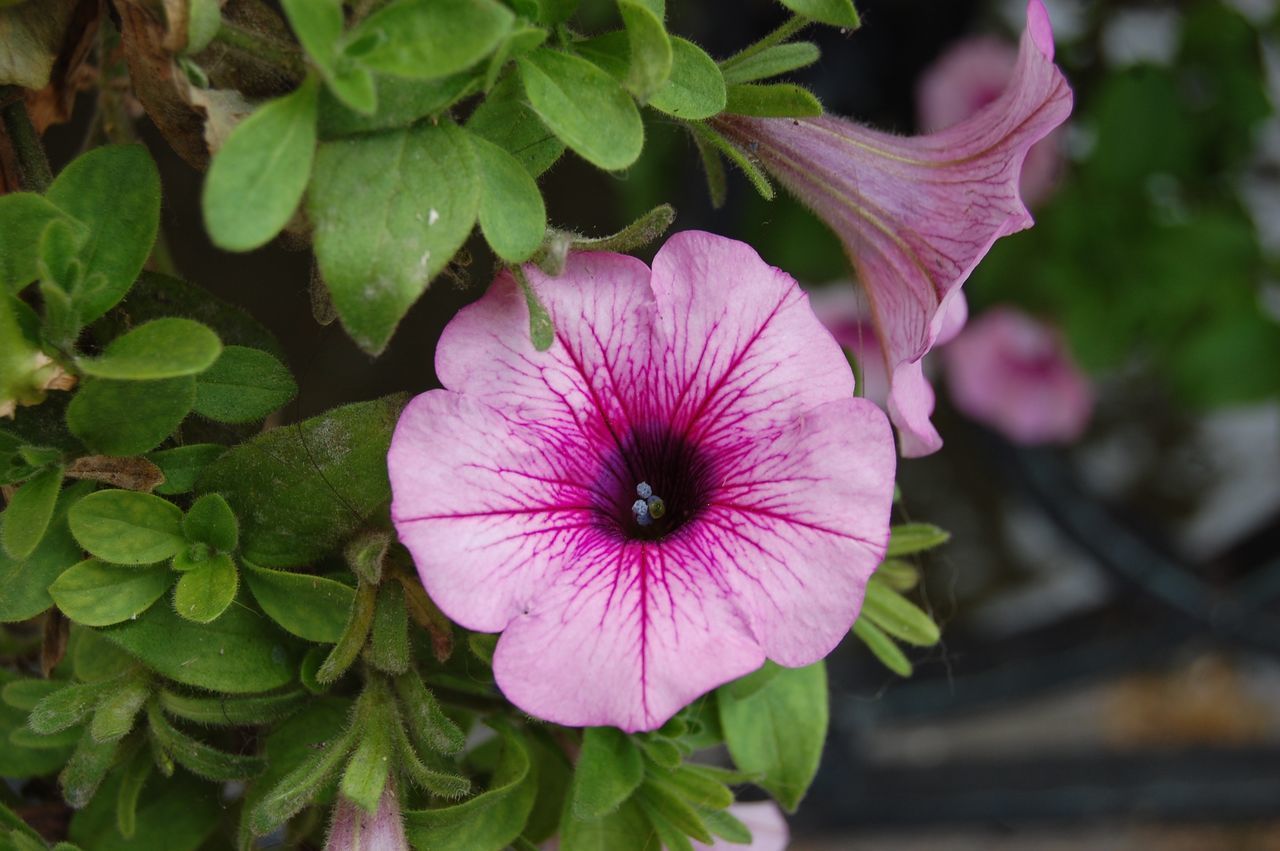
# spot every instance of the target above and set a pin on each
(657, 507)
(643, 490)
(640, 509)
(648, 507)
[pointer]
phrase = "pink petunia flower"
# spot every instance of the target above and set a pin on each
(844, 311)
(353, 828)
(917, 214)
(1014, 373)
(768, 828)
(967, 77)
(679, 488)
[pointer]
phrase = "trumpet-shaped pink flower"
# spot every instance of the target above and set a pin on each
(1014, 373)
(917, 214)
(355, 830)
(844, 311)
(679, 488)
(967, 77)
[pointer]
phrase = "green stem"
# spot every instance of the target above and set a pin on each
(791, 27)
(267, 50)
(34, 165)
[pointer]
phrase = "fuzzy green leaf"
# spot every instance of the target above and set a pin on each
(115, 192)
(897, 615)
(83, 773)
(310, 607)
(837, 13)
(95, 593)
(584, 106)
(243, 385)
(232, 711)
(512, 214)
(23, 218)
(113, 717)
(129, 417)
(430, 727)
(882, 647)
(650, 48)
(204, 593)
(770, 62)
(911, 538)
(609, 770)
(182, 465)
(696, 87)
(390, 210)
(389, 636)
(778, 732)
(163, 348)
(772, 100)
(24, 582)
(429, 39)
(505, 119)
(210, 520)
(29, 513)
(259, 174)
(197, 757)
(126, 527)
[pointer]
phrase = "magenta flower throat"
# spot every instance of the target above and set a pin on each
(679, 488)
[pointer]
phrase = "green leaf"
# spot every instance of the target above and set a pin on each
(64, 708)
(441, 783)
(197, 757)
(210, 520)
(318, 25)
(29, 513)
(909, 538)
(897, 615)
(609, 770)
(182, 465)
(353, 636)
(542, 332)
(113, 717)
(727, 826)
(232, 711)
(753, 173)
(259, 174)
(178, 814)
(882, 648)
(696, 86)
(431, 729)
(505, 119)
(429, 39)
(772, 100)
(310, 607)
(163, 348)
(17, 761)
(132, 781)
(23, 218)
(127, 527)
(837, 13)
(770, 62)
(240, 652)
(301, 490)
(83, 773)
(203, 594)
(370, 764)
(552, 775)
(95, 593)
(115, 191)
(778, 732)
(389, 636)
(625, 829)
(512, 214)
(303, 755)
(400, 103)
(701, 789)
(663, 805)
(650, 48)
(129, 417)
(584, 106)
(488, 822)
(900, 575)
(390, 210)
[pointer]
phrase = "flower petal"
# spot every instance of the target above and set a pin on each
(803, 522)
(629, 635)
(917, 214)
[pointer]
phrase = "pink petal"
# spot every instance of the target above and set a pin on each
(512, 488)
(1013, 373)
(917, 214)
(355, 830)
(767, 825)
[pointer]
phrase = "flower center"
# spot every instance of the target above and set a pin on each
(655, 484)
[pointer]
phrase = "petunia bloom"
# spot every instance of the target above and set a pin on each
(769, 831)
(682, 486)
(917, 214)
(966, 77)
(1015, 374)
(355, 830)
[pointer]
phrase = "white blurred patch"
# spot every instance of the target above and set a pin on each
(1068, 17)
(1141, 36)
(1257, 11)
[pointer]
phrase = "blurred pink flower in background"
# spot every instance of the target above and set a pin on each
(768, 828)
(969, 75)
(680, 487)
(843, 309)
(1015, 374)
(355, 830)
(917, 214)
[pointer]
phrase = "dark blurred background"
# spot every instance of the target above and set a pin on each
(1108, 674)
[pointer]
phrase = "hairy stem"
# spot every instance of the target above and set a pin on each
(789, 28)
(34, 165)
